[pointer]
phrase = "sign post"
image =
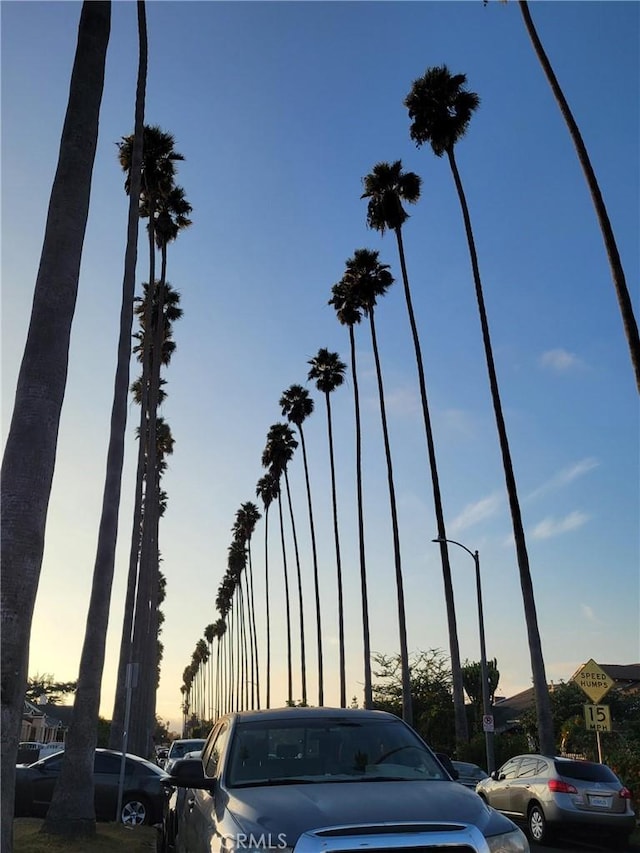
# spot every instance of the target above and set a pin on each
(595, 682)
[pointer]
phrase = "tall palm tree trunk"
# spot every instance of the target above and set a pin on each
(461, 729)
(407, 708)
(287, 605)
(217, 709)
(127, 651)
(249, 641)
(148, 577)
(366, 641)
(243, 647)
(253, 625)
(303, 657)
(266, 607)
(30, 450)
(74, 792)
(316, 579)
(543, 704)
(619, 281)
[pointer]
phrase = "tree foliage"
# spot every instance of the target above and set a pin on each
(472, 682)
(432, 703)
(45, 685)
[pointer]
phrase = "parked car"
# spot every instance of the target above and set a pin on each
(561, 794)
(179, 748)
(323, 779)
(143, 793)
(447, 763)
(469, 774)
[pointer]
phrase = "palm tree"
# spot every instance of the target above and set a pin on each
(209, 634)
(154, 180)
(172, 218)
(364, 281)
(296, 405)
(387, 187)
(348, 314)
(157, 179)
(30, 450)
(246, 519)
(440, 109)
(236, 562)
(276, 456)
(146, 621)
(328, 371)
(267, 489)
(223, 605)
(617, 272)
(220, 626)
(136, 598)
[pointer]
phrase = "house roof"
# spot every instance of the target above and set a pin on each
(506, 712)
(629, 672)
(55, 715)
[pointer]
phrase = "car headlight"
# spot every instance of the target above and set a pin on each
(509, 842)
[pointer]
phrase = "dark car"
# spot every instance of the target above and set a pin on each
(143, 794)
(469, 774)
(553, 794)
(179, 748)
(321, 780)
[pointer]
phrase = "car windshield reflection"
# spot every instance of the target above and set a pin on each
(325, 751)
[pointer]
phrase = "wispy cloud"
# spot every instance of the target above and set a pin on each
(565, 476)
(402, 402)
(549, 527)
(559, 360)
(478, 511)
(457, 421)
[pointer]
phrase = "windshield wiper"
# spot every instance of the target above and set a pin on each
(289, 780)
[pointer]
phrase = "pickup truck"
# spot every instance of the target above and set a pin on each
(323, 780)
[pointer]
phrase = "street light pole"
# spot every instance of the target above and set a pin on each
(486, 704)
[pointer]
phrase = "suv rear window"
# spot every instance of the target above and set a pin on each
(585, 771)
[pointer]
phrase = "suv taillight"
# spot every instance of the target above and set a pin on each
(625, 793)
(559, 787)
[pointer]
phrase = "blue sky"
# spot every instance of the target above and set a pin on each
(280, 109)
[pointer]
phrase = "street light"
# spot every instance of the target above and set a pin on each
(486, 705)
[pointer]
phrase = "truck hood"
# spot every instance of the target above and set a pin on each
(277, 811)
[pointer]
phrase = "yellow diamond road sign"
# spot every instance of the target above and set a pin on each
(593, 680)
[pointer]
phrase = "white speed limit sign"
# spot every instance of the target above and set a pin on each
(597, 718)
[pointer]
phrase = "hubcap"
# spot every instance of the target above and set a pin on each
(133, 814)
(536, 824)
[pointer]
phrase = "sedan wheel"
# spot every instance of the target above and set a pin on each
(537, 825)
(135, 812)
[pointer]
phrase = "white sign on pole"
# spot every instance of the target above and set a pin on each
(487, 723)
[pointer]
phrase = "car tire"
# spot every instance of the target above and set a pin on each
(537, 825)
(135, 811)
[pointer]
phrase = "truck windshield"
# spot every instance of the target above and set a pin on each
(327, 751)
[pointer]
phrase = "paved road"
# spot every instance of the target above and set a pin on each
(567, 845)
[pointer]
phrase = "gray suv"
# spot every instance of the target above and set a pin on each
(317, 780)
(562, 793)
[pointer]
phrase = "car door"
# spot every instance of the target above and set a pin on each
(500, 792)
(106, 776)
(44, 777)
(520, 788)
(199, 825)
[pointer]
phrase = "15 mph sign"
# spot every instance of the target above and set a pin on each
(592, 679)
